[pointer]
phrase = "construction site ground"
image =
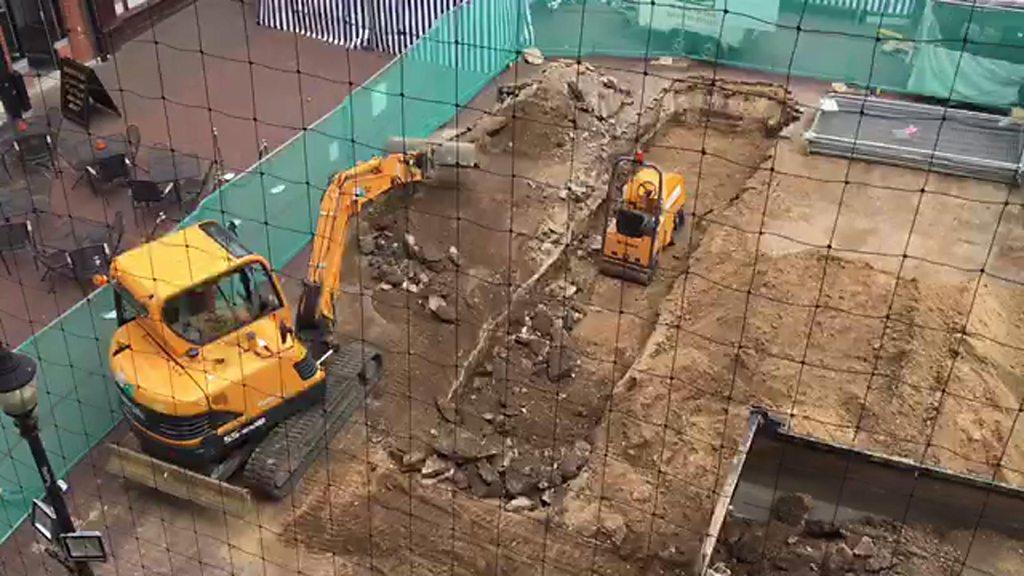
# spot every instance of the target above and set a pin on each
(537, 417)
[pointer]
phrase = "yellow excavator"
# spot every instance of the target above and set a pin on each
(218, 377)
(648, 215)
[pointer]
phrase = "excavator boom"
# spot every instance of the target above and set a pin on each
(344, 199)
(348, 193)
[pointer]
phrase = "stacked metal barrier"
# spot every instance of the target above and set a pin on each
(962, 142)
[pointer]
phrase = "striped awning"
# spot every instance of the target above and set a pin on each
(341, 22)
(386, 25)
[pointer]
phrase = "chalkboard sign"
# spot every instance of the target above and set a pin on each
(80, 88)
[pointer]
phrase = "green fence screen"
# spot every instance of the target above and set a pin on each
(938, 49)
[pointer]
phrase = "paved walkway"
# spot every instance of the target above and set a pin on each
(207, 66)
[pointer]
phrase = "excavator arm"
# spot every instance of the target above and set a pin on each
(345, 198)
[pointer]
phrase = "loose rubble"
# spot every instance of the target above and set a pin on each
(867, 547)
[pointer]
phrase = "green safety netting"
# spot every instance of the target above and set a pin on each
(935, 48)
(876, 43)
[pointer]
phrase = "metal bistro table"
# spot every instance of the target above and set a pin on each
(31, 126)
(83, 153)
(38, 125)
(22, 199)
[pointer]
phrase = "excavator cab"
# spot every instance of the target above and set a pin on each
(645, 217)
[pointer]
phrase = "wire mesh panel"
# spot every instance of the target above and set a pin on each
(606, 287)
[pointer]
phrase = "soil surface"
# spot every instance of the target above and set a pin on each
(536, 416)
(492, 454)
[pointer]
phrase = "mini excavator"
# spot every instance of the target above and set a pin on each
(216, 377)
(648, 215)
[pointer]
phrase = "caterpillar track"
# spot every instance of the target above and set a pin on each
(281, 459)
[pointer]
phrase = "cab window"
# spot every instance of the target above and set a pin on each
(217, 308)
(126, 307)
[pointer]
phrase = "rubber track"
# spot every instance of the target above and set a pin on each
(294, 444)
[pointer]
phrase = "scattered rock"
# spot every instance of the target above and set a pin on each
(561, 289)
(446, 408)
(574, 460)
(478, 487)
(521, 504)
(412, 249)
(570, 318)
(518, 482)
(719, 569)
(561, 361)
(533, 56)
(821, 529)
(613, 527)
(460, 478)
(880, 560)
(865, 548)
(435, 466)
(611, 82)
(792, 509)
(434, 302)
(441, 309)
(608, 104)
(487, 472)
(412, 461)
(748, 547)
(499, 372)
(447, 475)
(542, 322)
(500, 423)
(536, 345)
(462, 445)
(431, 257)
(367, 244)
(838, 558)
(453, 255)
(392, 275)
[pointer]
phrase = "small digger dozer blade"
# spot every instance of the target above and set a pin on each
(445, 153)
(626, 271)
(179, 482)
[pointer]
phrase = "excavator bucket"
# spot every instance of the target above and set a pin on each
(179, 482)
(445, 153)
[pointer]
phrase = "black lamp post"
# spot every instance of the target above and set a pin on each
(18, 399)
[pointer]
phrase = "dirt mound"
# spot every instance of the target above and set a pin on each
(865, 367)
(566, 106)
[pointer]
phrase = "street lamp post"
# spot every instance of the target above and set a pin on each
(18, 398)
